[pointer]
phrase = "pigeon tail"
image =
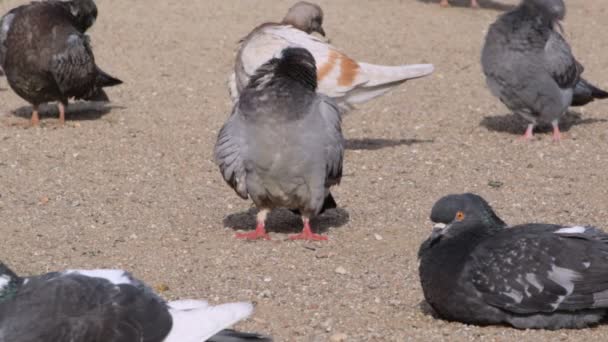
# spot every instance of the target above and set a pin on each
(105, 80)
(384, 78)
(585, 92)
(229, 335)
(196, 321)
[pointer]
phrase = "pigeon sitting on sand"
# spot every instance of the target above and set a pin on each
(338, 76)
(46, 55)
(529, 65)
(476, 270)
(282, 145)
(108, 306)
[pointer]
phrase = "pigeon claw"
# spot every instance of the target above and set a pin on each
(258, 234)
(307, 234)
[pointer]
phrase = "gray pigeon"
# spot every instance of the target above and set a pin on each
(530, 67)
(282, 145)
(46, 55)
(476, 270)
(108, 306)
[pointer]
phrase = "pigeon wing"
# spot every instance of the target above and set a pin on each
(228, 153)
(542, 268)
(334, 141)
(560, 62)
(74, 67)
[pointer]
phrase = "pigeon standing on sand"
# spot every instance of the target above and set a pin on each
(530, 67)
(282, 145)
(445, 3)
(108, 306)
(338, 76)
(476, 270)
(46, 55)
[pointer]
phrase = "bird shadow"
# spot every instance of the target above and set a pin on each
(514, 124)
(376, 144)
(77, 111)
(284, 221)
(484, 4)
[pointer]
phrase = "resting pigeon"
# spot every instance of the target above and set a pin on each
(338, 76)
(445, 3)
(530, 67)
(282, 145)
(475, 270)
(47, 57)
(108, 306)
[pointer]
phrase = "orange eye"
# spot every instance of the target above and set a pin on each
(459, 216)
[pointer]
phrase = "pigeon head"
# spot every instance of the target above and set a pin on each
(8, 282)
(305, 16)
(453, 214)
(554, 9)
(84, 13)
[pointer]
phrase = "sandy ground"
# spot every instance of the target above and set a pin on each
(133, 185)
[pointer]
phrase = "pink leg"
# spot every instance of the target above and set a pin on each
(529, 135)
(307, 233)
(444, 3)
(61, 113)
(260, 230)
(557, 135)
(474, 4)
(35, 117)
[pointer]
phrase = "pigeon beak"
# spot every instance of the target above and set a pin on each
(321, 31)
(439, 226)
(559, 26)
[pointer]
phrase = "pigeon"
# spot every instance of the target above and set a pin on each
(445, 3)
(283, 145)
(529, 65)
(108, 306)
(338, 76)
(47, 56)
(475, 269)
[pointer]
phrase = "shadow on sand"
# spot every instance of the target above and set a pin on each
(376, 144)
(484, 4)
(284, 221)
(514, 124)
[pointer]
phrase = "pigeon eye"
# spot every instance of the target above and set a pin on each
(459, 216)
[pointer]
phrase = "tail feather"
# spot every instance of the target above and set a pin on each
(585, 92)
(229, 335)
(196, 321)
(105, 80)
(382, 79)
(380, 75)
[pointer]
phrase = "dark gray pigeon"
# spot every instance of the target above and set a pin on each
(46, 55)
(530, 67)
(282, 145)
(108, 306)
(476, 270)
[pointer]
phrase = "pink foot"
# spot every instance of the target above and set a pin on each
(258, 234)
(529, 135)
(557, 135)
(444, 3)
(307, 234)
(474, 4)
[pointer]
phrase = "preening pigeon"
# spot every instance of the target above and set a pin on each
(338, 76)
(530, 67)
(445, 3)
(476, 270)
(46, 55)
(108, 306)
(282, 145)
